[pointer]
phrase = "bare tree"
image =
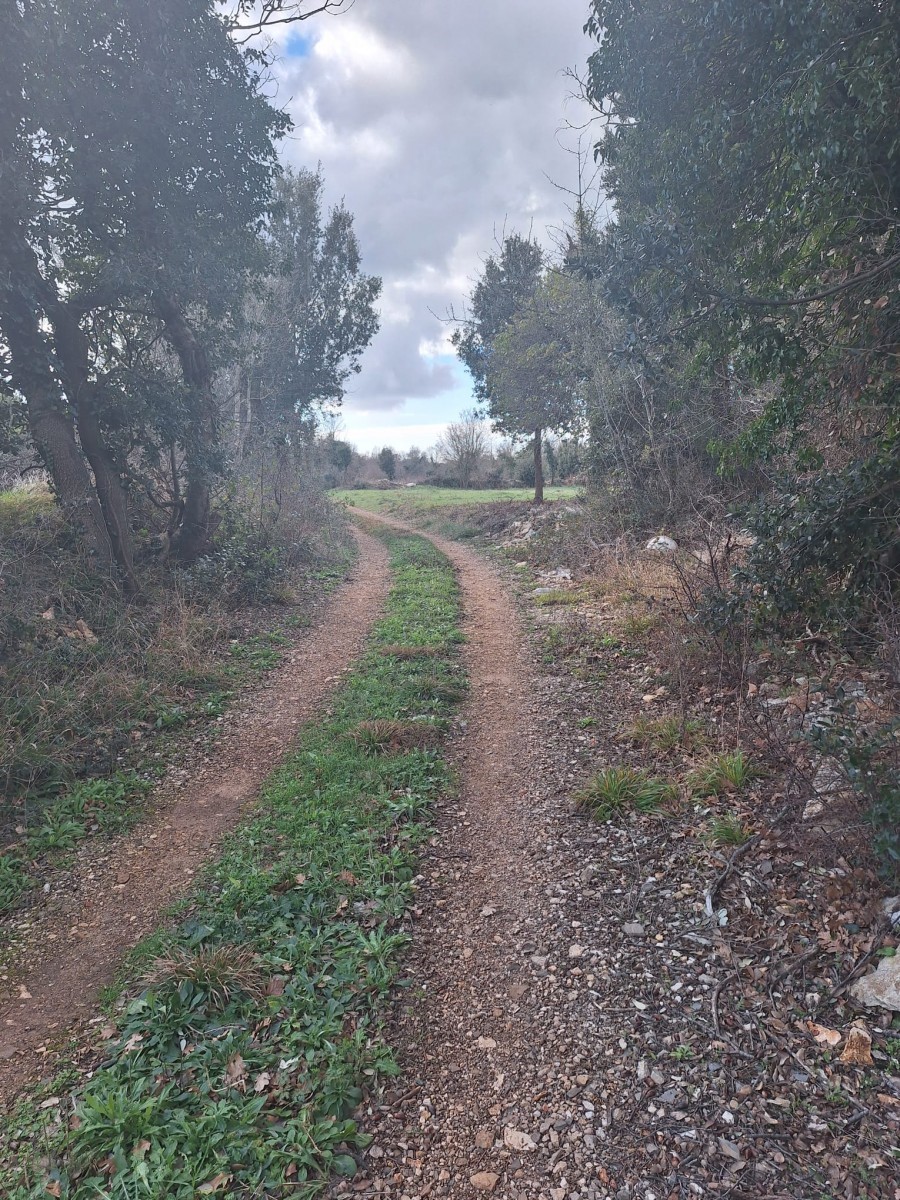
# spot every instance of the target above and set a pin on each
(463, 444)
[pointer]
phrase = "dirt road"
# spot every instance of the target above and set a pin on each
(71, 954)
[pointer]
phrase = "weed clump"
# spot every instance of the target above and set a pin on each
(616, 790)
(214, 975)
(728, 830)
(724, 773)
(670, 733)
(395, 737)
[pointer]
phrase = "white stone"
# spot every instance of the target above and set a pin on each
(661, 545)
(882, 987)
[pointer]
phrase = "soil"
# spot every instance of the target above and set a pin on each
(75, 942)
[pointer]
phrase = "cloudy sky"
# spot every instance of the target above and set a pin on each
(438, 121)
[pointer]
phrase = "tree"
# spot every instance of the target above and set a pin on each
(507, 288)
(463, 444)
(139, 159)
(307, 320)
(507, 283)
(387, 460)
(533, 375)
(753, 159)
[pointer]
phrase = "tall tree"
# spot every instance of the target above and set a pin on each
(507, 288)
(307, 320)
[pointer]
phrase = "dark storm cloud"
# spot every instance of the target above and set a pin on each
(438, 123)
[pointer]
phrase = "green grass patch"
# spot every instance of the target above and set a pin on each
(246, 1040)
(558, 596)
(670, 733)
(421, 499)
(728, 829)
(89, 807)
(24, 507)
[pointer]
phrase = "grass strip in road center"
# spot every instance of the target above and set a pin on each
(248, 1033)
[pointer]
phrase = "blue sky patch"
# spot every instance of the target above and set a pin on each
(299, 45)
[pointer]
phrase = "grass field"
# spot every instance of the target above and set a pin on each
(422, 499)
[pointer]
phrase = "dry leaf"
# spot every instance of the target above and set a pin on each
(348, 877)
(236, 1072)
(262, 1081)
(859, 1047)
(823, 1035)
(214, 1185)
(53, 1188)
(133, 1041)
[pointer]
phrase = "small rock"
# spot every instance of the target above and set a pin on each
(484, 1181)
(516, 1139)
(882, 987)
(576, 951)
(731, 1149)
(858, 1050)
(484, 1139)
(634, 929)
(486, 1043)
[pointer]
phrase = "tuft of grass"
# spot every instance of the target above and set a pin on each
(408, 652)
(728, 830)
(212, 975)
(394, 737)
(618, 789)
(243, 1048)
(559, 596)
(669, 733)
(724, 773)
(636, 625)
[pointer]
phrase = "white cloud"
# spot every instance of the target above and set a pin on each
(439, 124)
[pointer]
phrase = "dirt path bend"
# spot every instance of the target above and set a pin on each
(73, 951)
(475, 1047)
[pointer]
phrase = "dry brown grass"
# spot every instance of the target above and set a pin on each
(395, 737)
(220, 973)
(410, 652)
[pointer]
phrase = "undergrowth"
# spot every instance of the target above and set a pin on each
(90, 682)
(249, 1031)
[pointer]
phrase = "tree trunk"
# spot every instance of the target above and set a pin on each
(51, 427)
(72, 351)
(538, 467)
(192, 538)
